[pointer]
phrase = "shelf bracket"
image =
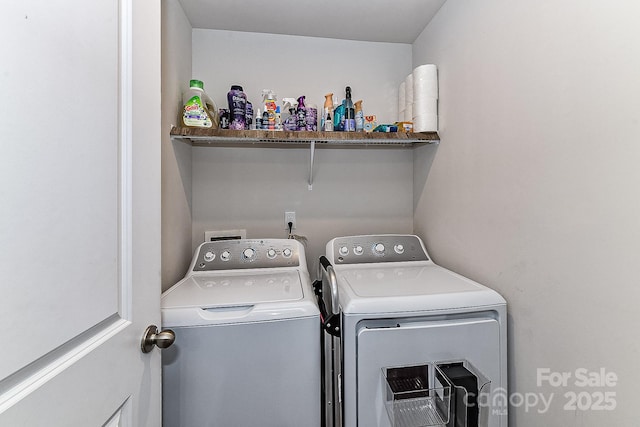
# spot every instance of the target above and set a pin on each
(312, 150)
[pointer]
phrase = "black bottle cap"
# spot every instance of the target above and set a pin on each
(236, 87)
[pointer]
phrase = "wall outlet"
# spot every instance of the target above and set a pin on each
(212, 236)
(289, 217)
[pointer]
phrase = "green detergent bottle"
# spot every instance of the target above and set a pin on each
(199, 110)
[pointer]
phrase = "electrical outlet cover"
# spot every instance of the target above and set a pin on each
(289, 217)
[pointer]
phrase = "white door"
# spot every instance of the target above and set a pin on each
(79, 212)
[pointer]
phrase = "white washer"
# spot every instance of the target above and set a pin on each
(389, 307)
(247, 347)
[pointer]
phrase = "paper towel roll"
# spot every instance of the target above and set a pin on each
(408, 113)
(425, 82)
(401, 97)
(428, 106)
(425, 115)
(425, 123)
(408, 90)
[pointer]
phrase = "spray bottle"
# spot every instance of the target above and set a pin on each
(269, 99)
(291, 120)
(327, 113)
(349, 112)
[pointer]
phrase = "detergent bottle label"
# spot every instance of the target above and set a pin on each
(194, 114)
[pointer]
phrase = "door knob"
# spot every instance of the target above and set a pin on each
(152, 336)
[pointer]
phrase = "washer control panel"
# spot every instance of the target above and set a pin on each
(382, 248)
(247, 253)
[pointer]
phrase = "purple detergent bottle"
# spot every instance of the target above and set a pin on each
(248, 116)
(311, 117)
(301, 113)
(237, 107)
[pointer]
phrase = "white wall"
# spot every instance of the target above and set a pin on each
(534, 188)
(176, 156)
(355, 190)
(293, 66)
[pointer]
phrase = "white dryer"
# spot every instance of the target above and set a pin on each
(408, 343)
(247, 346)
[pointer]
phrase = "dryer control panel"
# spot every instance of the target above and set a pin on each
(376, 248)
(247, 253)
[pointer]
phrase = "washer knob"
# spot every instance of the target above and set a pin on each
(343, 250)
(209, 256)
(379, 248)
(225, 256)
(286, 252)
(399, 249)
(358, 250)
(249, 253)
(271, 253)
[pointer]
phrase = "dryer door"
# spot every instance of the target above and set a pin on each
(400, 342)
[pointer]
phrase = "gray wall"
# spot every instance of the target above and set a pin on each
(355, 191)
(176, 156)
(534, 189)
(294, 66)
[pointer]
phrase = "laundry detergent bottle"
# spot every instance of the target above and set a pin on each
(195, 112)
(301, 114)
(237, 108)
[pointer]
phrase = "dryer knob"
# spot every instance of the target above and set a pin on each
(225, 256)
(399, 249)
(343, 250)
(271, 253)
(379, 248)
(358, 250)
(286, 252)
(209, 256)
(249, 253)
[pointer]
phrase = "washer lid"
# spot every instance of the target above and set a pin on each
(234, 289)
(402, 287)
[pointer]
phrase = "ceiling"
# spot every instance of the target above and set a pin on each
(395, 21)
